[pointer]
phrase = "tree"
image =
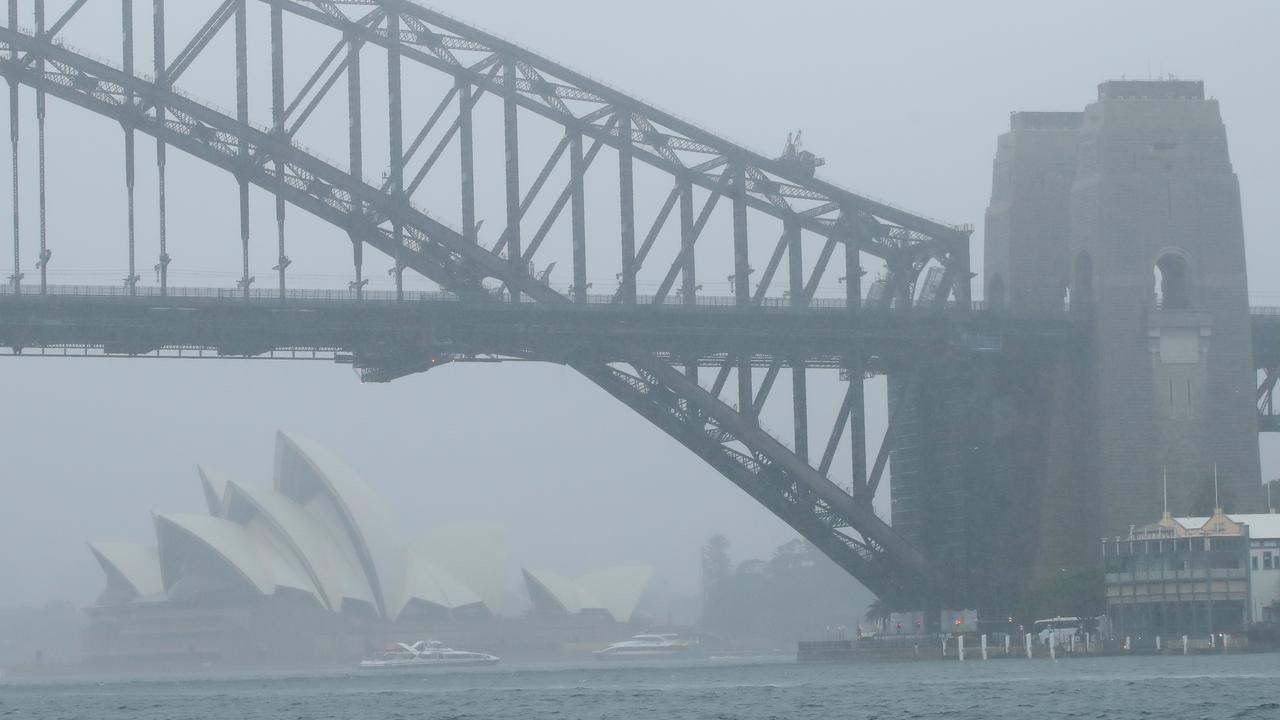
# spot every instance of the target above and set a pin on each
(1068, 593)
(797, 593)
(1202, 497)
(878, 612)
(717, 569)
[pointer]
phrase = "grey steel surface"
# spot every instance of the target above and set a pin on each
(223, 322)
(645, 351)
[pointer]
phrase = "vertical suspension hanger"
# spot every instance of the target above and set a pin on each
(577, 175)
(626, 203)
(355, 138)
(277, 118)
(862, 488)
(15, 280)
(511, 144)
(799, 369)
(43, 262)
(157, 32)
(396, 140)
(242, 115)
(742, 281)
(126, 24)
(466, 157)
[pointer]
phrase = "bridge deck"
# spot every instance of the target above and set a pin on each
(328, 324)
(1266, 336)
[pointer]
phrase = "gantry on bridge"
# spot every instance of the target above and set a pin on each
(567, 172)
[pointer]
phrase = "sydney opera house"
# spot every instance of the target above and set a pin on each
(313, 569)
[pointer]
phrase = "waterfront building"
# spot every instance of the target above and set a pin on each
(1264, 562)
(1194, 576)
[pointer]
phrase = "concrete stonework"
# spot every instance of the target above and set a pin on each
(1143, 178)
(1026, 255)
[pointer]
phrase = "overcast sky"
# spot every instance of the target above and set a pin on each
(904, 100)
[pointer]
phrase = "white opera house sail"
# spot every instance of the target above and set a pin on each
(310, 567)
(317, 537)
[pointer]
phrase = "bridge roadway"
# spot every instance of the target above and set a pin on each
(334, 324)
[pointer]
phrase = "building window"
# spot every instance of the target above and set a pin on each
(1172, 287)
(1266, 560)
(1255, 562)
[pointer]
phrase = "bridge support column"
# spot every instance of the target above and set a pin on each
(688, 237)
(742, 282)
(511, 144)
(160, 65)
(357, 261)
(355, 149)
(626, 202)
(577, 173)
(799, 380)
(395, 122)
(242, 114)
(466, 153)
(126, 24)
(43, 262)
(16, 278)
(857, 373)
(277, 116)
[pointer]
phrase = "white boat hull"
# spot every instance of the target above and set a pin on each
(647, 655)
(427, 663)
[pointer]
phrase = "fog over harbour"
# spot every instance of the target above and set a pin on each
(903, 101)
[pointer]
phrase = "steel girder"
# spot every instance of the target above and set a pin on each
(1268, 418)
(652, 136)
(602, 332)
(725, 434)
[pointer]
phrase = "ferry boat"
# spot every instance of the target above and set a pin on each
(426, 654)
(660, 646)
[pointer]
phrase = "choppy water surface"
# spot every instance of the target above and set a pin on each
(1174, 687)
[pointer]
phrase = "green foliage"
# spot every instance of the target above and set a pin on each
(1068, 593)
(798, 593)
(878, 612)
(1201, 501)
(717, 568)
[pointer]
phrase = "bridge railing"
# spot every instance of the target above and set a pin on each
(229, 294)
(386, 296)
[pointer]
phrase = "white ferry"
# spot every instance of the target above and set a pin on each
(661, 646)
(426, 654)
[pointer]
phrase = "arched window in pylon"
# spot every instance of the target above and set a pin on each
(995, 292)
(1173, 289)
(1082, 284)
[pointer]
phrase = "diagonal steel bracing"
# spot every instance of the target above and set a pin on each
(702, 170)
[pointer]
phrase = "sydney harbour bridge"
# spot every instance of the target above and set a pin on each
(592, 180)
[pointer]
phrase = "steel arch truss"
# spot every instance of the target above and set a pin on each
(926, 262)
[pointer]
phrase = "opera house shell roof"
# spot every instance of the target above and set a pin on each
(317, 536)
(615, 591)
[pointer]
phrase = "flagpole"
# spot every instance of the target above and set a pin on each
(1166, 489)
(1216, 504)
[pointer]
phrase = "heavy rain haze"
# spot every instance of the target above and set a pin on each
(903, 100)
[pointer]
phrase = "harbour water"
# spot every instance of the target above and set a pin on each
(1243, 686)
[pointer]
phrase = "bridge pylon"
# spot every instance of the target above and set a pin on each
(1128, 214)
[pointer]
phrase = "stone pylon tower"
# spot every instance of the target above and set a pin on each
(1157, 250)
(1130, 213)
